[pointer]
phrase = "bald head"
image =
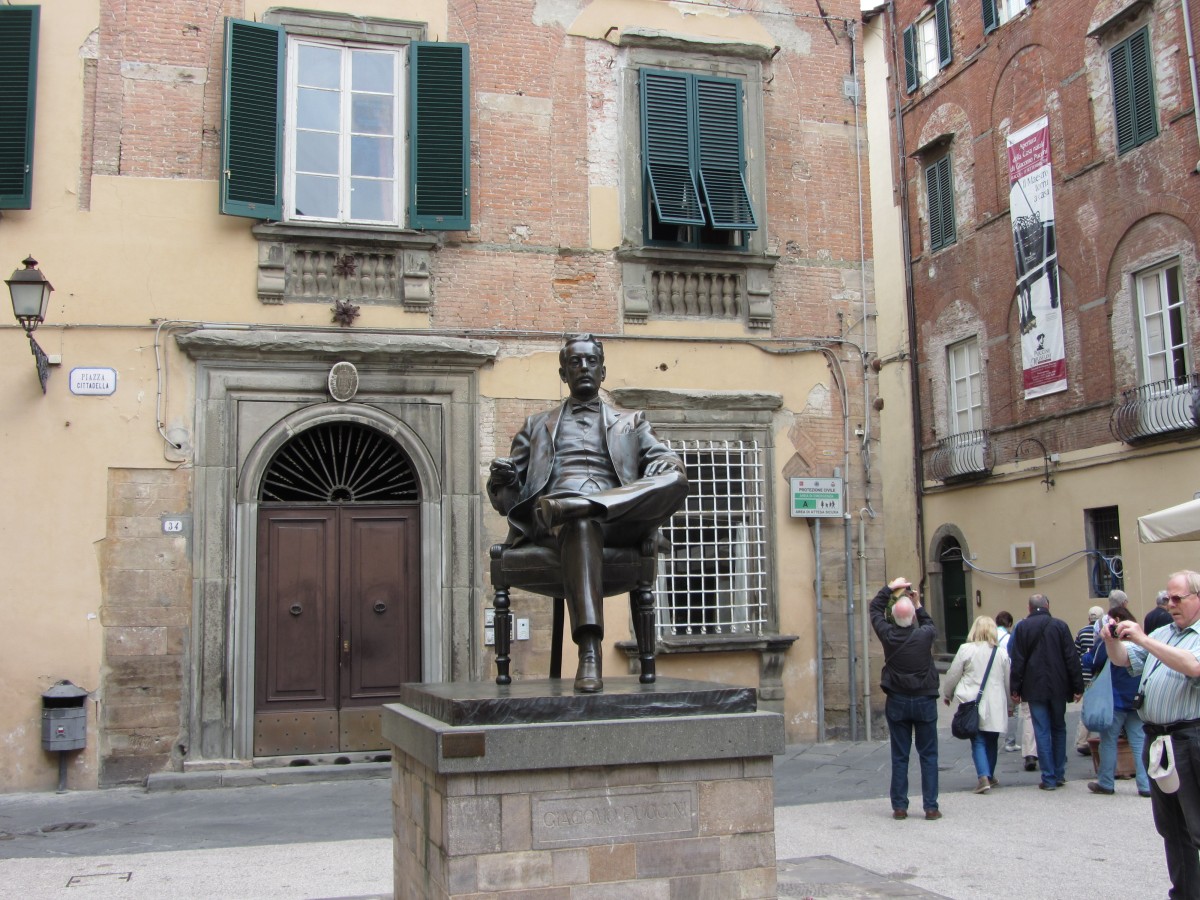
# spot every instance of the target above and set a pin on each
(1039, 601)
(904, 612)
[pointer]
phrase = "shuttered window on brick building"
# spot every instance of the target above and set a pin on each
(1133, 91)
(18, 93)
(939, 188)
(316, 128)
(927, 46)
(694, 160)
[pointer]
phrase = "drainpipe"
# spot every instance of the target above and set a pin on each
(820, 637)
(1191, 49)
(850, 662)
(866, 631)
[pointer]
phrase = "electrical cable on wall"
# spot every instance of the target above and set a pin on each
(1114, 564)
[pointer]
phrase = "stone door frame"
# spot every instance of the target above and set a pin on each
(255, 389)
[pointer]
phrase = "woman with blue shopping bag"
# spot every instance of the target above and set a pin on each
(1123, 687)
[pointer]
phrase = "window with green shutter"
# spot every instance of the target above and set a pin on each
(316, 123)
(927, 46)
(694, 161)
(18, 95)
(1133, 91)
(939, 188)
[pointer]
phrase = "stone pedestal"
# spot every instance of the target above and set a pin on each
(655, 791)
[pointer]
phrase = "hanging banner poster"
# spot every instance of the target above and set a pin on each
(1031, 207)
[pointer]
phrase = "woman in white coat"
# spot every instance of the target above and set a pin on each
(962, 685)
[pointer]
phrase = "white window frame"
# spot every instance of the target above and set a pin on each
(715, 581)
(1163, 333)
(345, 178)
(964, 384)
(1006, 10)
(926, 40)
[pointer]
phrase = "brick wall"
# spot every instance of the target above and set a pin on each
(1114, 213)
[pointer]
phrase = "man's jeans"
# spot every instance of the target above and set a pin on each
(910, 716)
(1132, 723)
(1050, 728)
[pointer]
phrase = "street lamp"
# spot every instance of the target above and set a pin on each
(30, 293)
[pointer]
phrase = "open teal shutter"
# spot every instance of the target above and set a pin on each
(910, 59)
(722, 160)
(991, 16)
(18, 101)
(1122, 96)
(439, 123)
(1141, 71)
(252, 137)
(667, 147)
(941, 17)
(946, 189)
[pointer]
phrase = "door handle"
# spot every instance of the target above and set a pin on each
(380, 608)
(295, 609)
(345, 646)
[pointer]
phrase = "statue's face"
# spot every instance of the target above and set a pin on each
(584, 371)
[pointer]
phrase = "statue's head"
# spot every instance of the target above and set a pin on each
(581, 365)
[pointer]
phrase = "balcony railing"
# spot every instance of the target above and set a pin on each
(963, 455)
(1161, 407)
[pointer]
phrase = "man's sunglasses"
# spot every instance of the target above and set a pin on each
(1179, 598)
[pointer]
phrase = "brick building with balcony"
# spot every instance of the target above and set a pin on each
(1046, 158)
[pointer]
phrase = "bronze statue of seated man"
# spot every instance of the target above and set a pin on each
(582, 477)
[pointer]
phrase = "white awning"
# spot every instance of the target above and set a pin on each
(1178, 523)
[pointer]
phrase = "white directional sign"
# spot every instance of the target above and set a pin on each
(816, 498)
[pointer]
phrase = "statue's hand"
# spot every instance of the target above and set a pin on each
(503, 472)
(661, 465)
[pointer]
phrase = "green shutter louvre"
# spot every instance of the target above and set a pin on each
(941, 15)
(722, 163)
(991, 17)
(940, 193)
(439, 136)
(667, 147)
(910, 59)
(1142, 85)
(251, 141)
(1133, 91)
(18, 100)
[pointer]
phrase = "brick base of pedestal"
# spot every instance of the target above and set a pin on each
(663, 807)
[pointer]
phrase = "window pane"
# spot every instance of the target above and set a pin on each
(1154, 335)
(318, 109)
(373, 72)
(371, 200)
(317, 152)
(371, 114)
(1156, 368)
(1151, 294)
(319, 67)
(371, 157)
(316, 195)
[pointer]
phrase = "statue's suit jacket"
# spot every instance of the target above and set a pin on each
(628, 439)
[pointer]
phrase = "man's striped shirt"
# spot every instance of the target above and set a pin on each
(1169, 696)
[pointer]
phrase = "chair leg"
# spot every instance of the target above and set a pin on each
(503, 631)
(556, 640)
(641, 606)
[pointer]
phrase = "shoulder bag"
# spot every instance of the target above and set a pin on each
(1097, 709)
(965, 724)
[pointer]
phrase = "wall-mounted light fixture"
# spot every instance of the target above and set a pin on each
(1047, 459)
(30, 292)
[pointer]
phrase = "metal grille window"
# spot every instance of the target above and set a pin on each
(714, 580)
(1104, 538)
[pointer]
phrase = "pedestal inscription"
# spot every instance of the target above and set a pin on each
(579, 818)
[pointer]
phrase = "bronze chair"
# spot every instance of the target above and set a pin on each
(536, 569)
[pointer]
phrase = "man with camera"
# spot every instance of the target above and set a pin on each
(1168, 701)
(910, 681)
(1046, 674)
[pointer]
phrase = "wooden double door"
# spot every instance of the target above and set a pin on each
(338, 624)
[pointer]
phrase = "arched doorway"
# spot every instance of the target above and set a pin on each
(956, 609)
(338, 600)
